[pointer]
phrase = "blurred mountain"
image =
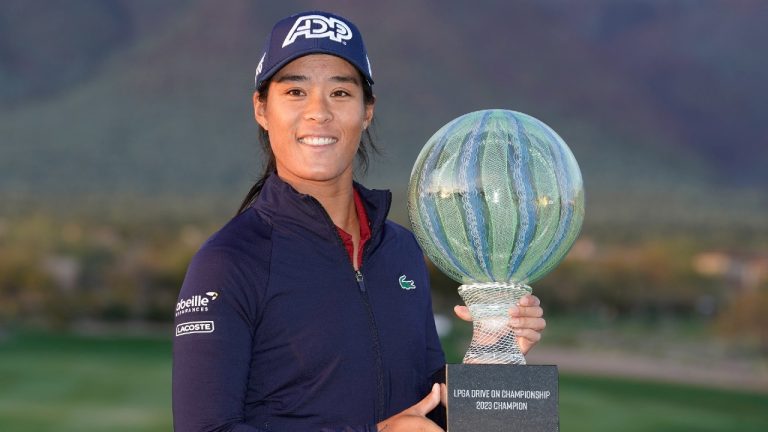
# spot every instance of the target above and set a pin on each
(663, 103)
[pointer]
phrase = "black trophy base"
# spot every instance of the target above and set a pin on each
(485, 398)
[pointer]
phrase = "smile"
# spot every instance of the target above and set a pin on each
(317, 140)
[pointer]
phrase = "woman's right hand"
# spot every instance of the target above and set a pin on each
(414, 418)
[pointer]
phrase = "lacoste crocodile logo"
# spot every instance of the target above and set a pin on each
(406, 284)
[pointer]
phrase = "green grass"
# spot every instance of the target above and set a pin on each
(70, 383)
(603, 404)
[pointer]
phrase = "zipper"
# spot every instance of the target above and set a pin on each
(360, 281)
(358, 274)
(380, 396)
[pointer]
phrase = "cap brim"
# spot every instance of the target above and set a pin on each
(318, 50)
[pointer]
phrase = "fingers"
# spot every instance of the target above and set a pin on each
(527, 314)
(529, 300)
(537, 324)
(526, 311)
(462, 312)
(414, 418)
(424, 406)
(528, 307)
(444, 394)
(532, 335)
(526, 321)
(526, 339)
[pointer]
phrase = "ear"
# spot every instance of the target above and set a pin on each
(368, 116)
(259, 111)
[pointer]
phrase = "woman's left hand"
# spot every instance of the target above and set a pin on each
(525, 320)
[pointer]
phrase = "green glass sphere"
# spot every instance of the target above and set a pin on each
(496, 196)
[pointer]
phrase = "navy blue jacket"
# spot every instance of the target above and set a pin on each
(276, 331)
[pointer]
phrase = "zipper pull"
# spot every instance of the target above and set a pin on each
(359, 279)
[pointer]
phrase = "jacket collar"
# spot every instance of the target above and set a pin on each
(281, 204)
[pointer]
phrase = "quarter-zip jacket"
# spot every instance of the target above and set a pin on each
(276, 331)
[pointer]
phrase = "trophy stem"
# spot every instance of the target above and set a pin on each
(493, 342)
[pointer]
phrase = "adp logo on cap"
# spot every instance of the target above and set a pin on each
(312, 32)
(318, 26)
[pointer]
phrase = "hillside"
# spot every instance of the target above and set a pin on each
(661, 102)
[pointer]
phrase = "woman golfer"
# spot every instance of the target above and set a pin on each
(310, 310)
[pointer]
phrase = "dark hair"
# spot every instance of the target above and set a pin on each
(367, 145)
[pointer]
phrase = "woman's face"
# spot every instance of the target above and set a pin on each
(314, 115)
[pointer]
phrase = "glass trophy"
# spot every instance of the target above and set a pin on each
(496, 201)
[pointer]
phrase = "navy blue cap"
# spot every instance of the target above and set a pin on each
(311, 33)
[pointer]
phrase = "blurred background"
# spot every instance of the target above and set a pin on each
(127, 138)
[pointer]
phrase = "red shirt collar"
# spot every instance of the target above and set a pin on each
(365, 232)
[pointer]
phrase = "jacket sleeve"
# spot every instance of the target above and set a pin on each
(436, 364)
(214, 324)
(435, 355)
(435, 361)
